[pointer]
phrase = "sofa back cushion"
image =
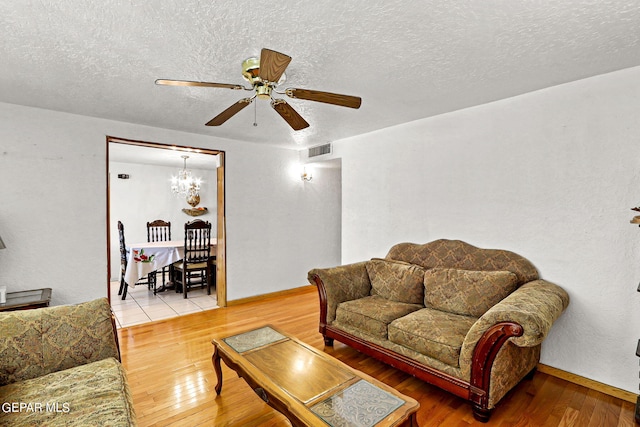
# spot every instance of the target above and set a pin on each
(396, 281)
(465, 292)
(37, 342)
(458, 254)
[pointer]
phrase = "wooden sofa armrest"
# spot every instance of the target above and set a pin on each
(530, 311)
(37, 342)
(339, 284)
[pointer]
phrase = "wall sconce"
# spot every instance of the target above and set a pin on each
(306, 176)
(2, 246)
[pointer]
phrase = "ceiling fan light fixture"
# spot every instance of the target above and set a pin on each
(251, 72)
(263, 91)
(251, 69)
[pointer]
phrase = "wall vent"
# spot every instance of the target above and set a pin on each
(319, 150)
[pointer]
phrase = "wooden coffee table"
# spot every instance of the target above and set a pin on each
(308, 386)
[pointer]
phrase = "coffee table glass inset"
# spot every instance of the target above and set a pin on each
(309, 386)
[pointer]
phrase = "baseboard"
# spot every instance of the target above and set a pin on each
(591, 384)
(273, 295)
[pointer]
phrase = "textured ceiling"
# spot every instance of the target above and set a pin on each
(407, 60)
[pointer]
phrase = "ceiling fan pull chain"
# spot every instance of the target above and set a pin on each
(255, 114)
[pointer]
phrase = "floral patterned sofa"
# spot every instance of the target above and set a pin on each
(60, 366)
(468, 320)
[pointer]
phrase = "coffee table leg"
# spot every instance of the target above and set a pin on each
(215, 359)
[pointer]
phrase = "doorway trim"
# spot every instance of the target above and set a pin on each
(221, 248)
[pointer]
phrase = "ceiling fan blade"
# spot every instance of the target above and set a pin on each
(290, 115)
(272, 65)
(229, 112)
(190, 83)
(326, 97)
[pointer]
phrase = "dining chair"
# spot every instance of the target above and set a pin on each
(197, 265)
(158, 231)
(123, 264)
(123, 261)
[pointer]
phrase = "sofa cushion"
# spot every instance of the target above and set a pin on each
(37, 342)
(396, 280)
(445, 253)
(372, 314)
(95, 394)
(434, 333)
(466, 292)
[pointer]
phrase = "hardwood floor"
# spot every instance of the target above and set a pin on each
(168, 363)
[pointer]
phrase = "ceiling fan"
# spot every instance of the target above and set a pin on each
(265, 74)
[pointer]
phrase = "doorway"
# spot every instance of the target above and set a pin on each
(156, 152)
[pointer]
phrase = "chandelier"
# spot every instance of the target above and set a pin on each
(185, 185)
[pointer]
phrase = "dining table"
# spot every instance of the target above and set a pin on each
(144, 258)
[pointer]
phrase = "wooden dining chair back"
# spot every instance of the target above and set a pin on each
(194, 268)
(158, 231)
(123, 260)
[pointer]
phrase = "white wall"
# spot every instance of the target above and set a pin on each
(278, 227)
(550, 175)
(146, 196)
(53, 210)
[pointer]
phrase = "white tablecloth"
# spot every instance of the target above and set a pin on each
(143, 258)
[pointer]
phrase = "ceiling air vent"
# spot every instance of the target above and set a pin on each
(319, 150)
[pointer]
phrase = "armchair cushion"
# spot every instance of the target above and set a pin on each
(396, 280)
(372, 314)
(466, 292)
(37, 342)
(443, 338)
(87, 395)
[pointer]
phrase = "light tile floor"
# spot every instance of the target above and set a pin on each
(141, 306)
